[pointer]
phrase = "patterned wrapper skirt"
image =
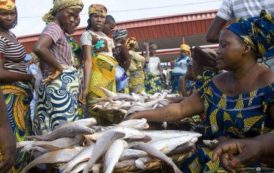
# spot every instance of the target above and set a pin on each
(175, 81)
(153, 83)
(102, 75)
(136, 81)
(57, 102)
(17, 97)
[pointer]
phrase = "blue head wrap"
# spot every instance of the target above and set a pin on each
(258, 32)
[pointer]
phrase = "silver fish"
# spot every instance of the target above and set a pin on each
(113, 154)
(67, 130)
(132, 154)
(135, 123)
(157, 154)
(101, 146)
(58, 156)
(163, 134)
(84, 155)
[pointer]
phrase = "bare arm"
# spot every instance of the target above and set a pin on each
(7, 139)
(189, 106)
(11, 76)
(214, 30)
(87, 71)
(41, 49)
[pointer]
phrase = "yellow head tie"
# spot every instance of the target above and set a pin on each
(7, 5)
(97, 9)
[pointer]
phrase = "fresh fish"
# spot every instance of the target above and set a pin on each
(84, 155)
(157, 154)
(132, 154)
(124, 163)
(130, 133)
(108, 92)
(58, 156)
(101, 146)
(50, 145)
(66, 130)
(167, 145)
(141, 162)
(135, 123)
(113, 154)
(163, 134)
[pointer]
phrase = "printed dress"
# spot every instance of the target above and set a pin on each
(17, 97)
(238, 116)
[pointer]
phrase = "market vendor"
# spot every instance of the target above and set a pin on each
(238, 103)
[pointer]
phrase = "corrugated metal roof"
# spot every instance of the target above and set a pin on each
(153, 28)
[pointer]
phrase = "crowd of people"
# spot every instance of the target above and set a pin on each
(229, 88)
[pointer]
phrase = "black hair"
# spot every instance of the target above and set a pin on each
(110, 18)
(89, 23)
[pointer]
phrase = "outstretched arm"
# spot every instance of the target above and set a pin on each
(189, 106)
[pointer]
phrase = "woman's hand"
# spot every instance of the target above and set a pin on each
(8, 153)
(83, 96)
(54, 75)
(234, 153)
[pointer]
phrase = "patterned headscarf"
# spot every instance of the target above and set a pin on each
(119, 34)
(131, 42)
(185, 47)
(97, 9)
(258, 32)
(60, 5)
(7, 4)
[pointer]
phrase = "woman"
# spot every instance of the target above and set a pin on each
(136, 67)
(15, 83)
(238, 103)
(121, 53)
(180, 67)
(99, 63)
(153, 70)
(58, 95)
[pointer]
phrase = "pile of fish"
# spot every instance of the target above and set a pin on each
(84, 146)
(128, 104)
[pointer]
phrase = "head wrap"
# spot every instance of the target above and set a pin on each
(97, 9)
(60, 5)
(7, 4)
(131, 42)
(258, 32)
(205, 58)
(185, 47)
(119, 34)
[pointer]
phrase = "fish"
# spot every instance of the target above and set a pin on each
(58, 156)
(84, 155)
(113, 154)
(157, 154)
(163, 134)
(101, 146)
(108, 93)
(132, 154)
(140, 162)
(66, 130)
(50, 145)
(124, 163)
(135, 123)
(167, 145)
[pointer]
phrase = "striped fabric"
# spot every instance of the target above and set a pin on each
(60, 47)
(14, 54)
(244, 8)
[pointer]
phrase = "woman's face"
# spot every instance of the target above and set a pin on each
(230, 51)
(98, 21)
(8, 19)
(69, 19)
